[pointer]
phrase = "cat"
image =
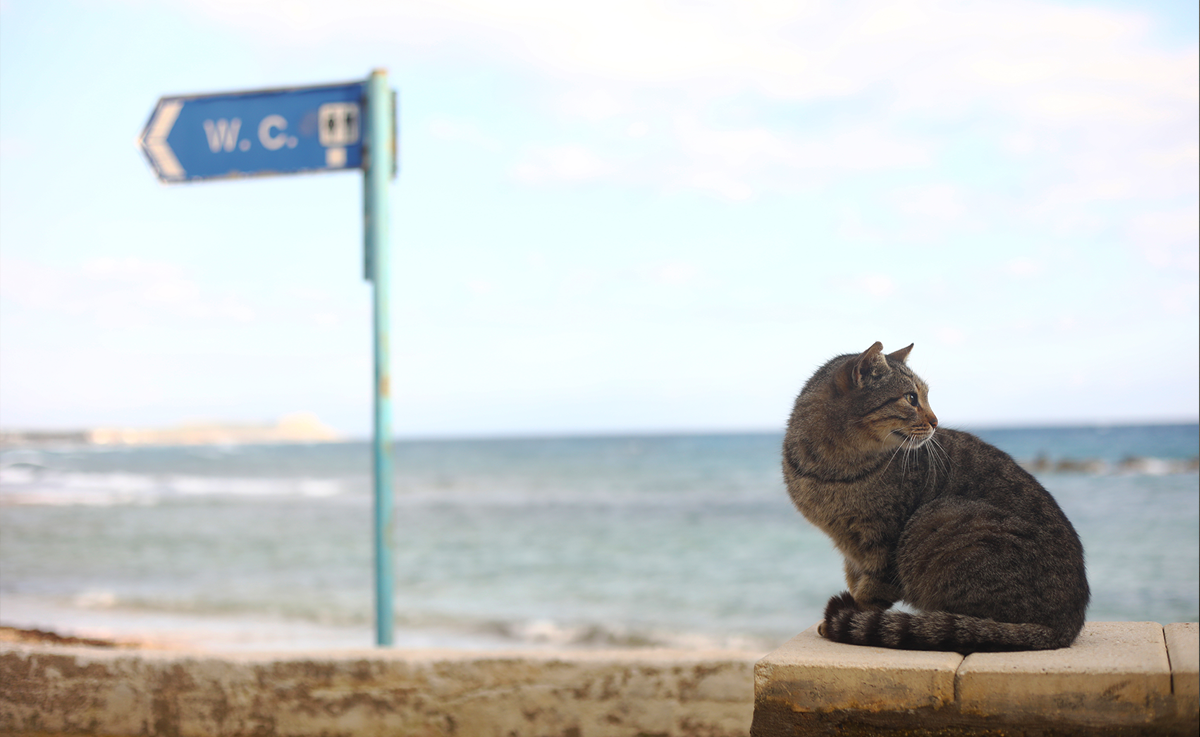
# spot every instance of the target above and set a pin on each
(935, 518)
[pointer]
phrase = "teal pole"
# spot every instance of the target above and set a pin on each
(377, 171)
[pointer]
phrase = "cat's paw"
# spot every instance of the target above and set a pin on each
(844, 600)
(837, 614)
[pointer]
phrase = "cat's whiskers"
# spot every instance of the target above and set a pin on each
(934, 450)
(914, 444)
(911, 445)
(898, 447)
(934, 463)
(940, 459)
(939, 454)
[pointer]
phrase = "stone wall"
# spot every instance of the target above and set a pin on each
(72, 690)
(1120, 678)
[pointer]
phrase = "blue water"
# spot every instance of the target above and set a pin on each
(684, 541)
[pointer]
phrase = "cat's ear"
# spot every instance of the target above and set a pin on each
(901, 354)
(854, 374)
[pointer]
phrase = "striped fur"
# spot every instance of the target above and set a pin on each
(932, 517)
(846, 622)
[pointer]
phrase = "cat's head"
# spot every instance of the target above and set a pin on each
(875, 398)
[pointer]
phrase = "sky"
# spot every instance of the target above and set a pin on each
(623, 217)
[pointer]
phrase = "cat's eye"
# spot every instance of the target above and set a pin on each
(912, 398)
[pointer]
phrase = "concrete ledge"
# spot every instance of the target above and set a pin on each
(1183, 647)
(73, 690)
(1116, 673)
(809, 669)
(1118, 678)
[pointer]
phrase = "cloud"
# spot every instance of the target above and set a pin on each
(950, 335)
(799, 50)
(1169, 239)
(594, 104)
(481, 287)
(937, 202)
(116, 291)
(1180, 299)
(731, 164)
(736, 162)
(673, 273)
(461, 131)
(1079, 104)
(877, 285)
(1024, 267)
(16, 148)
(569, 163)
(1037, 60)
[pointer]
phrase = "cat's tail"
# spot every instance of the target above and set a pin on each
(846, 622)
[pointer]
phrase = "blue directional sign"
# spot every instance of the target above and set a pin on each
(306, 129)
(257, 133)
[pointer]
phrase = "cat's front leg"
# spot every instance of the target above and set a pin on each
(873, 593)
(853, 573)
(869, 586)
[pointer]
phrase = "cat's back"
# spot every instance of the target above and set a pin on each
(976, 469)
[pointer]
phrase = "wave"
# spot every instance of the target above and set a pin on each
(216, 625)
(548, 633)
(1130, 466)
(30, 484)
(26, 483)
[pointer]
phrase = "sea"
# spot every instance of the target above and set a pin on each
(686, 541)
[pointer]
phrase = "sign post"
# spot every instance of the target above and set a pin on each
(335, 127)
(377, 171)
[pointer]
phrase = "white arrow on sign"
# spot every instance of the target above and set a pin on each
(154, 140)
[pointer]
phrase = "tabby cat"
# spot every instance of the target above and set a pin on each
(948, 524)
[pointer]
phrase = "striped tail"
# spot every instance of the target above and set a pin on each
(846, 622)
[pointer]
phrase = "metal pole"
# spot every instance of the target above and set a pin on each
(377, 171)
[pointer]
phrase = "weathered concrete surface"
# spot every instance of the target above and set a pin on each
(71, 690)
(1116, 673)
(1115, 680)
(809, 686)
(814, 674)
(1183, 648)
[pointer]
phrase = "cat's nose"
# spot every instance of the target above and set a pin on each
(932, 420)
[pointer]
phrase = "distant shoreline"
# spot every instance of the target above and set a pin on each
(311, 430)
(297, 427)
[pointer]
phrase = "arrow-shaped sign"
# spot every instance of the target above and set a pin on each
(284, 131)
(256, 133)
